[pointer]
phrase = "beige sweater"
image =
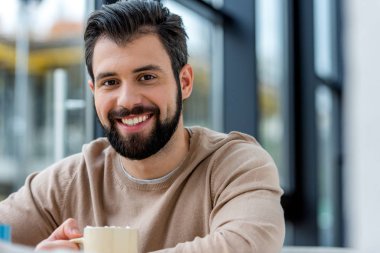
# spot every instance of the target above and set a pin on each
(225, 197)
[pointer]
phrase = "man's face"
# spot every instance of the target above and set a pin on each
(137, 99)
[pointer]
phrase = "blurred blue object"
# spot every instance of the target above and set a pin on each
(5, 232)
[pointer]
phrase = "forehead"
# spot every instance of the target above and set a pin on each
(142, 50)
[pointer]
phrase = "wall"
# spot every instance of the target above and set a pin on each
(362, 123)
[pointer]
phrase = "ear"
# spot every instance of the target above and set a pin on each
(91, 85)
(186, 78)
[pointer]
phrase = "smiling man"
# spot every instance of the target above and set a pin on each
(186, 189)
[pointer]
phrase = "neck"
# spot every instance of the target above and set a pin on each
(164, 161)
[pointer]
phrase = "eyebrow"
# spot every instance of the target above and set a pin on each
(104, 74)
(137, 70)
(147, 67)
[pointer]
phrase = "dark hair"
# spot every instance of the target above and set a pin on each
(124, 20)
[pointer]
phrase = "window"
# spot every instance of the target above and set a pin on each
(328, 117)
(299, 102)
(273, 83)
(274, 88)
(204, 107)
(45, 109)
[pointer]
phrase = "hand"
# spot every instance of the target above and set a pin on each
(59, 239)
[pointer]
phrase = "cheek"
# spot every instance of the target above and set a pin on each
(171, 104)
(101, 109)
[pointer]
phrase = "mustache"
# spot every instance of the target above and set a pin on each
(124, 112)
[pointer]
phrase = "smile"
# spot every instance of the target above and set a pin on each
(134, 120)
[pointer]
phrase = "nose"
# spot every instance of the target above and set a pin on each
(129, 96)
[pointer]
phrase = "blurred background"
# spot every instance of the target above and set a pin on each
(302, 76)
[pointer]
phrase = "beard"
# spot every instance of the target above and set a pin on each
(136, 146)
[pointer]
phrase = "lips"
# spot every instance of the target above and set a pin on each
(134, 120)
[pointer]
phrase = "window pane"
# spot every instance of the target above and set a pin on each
(204, 107)
(273, 84)
(328, 165)
(43, 91)
(215, 3)
(325, 49)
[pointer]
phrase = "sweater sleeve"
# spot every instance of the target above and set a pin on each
(247, 215)
(34, 211)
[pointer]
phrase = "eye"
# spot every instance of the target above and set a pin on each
(110, 82)
(146, 77)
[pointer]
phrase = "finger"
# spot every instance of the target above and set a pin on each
(60, 244)
(67, 230)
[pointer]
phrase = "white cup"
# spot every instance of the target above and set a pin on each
(108, 240)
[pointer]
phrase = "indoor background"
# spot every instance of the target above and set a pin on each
(302, 76)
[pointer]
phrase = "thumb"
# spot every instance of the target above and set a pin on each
(67, 230)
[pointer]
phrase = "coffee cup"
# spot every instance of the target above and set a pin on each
(108, 240)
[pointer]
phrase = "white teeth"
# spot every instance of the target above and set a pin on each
(135, 120)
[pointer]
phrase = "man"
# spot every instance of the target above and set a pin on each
(185, 189)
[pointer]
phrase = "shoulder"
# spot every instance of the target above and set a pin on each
(91, 152)
(241, 153)
(96, 148)
(234, 146)
(63, 172)
(236, 158)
